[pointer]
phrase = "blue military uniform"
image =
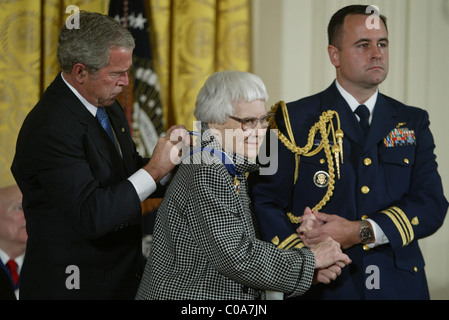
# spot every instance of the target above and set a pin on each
(391, 178)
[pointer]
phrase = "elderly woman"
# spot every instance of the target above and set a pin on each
(205, 242)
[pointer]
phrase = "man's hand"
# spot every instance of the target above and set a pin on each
(317, 226)
(167, 153)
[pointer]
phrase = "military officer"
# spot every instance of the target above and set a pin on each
(380, 191)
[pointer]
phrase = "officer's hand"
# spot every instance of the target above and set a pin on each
(343, 231)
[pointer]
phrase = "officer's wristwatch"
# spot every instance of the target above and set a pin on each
(365, 233)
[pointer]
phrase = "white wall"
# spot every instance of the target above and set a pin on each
(289, 52)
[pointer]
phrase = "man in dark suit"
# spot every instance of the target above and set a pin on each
(82, 185)
(388, 193)
(13, 238)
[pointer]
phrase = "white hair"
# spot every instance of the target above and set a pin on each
(223, 91)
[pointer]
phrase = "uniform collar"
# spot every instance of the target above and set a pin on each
(353, 103)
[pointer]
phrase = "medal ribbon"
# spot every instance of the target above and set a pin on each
(229, 164)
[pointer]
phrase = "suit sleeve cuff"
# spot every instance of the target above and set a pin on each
(396, 225)
(306, 273)
(143, 183)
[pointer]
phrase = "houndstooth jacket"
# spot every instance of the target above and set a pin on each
(205, 243)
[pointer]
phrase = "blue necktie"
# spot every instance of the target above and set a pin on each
(105, 123)
(363, 113)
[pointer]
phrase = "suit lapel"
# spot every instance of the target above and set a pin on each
(384, 120)
(122, 133)
(104, 145)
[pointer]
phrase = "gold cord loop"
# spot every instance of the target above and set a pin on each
(325, 126)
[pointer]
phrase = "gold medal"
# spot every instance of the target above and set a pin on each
(237, 184)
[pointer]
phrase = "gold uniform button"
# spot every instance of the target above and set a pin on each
(367, 161)
(415, 269)
(322, 161)
(406, 161)
(365, 190)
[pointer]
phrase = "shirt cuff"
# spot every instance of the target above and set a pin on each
(379, 235)
(144, 184)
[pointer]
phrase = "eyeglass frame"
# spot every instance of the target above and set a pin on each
(252, 120)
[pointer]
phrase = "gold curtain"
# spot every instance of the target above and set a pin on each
(192, 39)
(28, 39)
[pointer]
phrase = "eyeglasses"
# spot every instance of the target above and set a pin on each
(251, 122)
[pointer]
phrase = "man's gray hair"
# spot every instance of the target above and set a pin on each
(90, 44)
(223, 91)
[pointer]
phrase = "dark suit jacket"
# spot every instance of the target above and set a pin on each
(6, 284)
(80, 208)
(405, 194)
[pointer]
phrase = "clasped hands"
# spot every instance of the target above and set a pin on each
(326, 235)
